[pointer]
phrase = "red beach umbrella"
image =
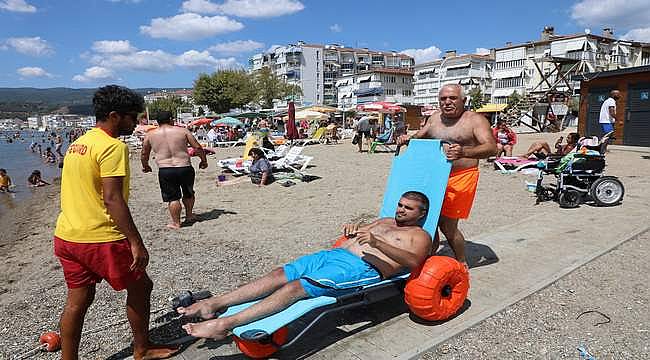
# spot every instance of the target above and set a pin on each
(292, 131)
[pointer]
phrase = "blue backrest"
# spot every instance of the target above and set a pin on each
(422, 167)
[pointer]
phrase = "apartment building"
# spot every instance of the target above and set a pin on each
(185, 95)
(469, 70)
(520, 67)
(391, 85)
(316, 68)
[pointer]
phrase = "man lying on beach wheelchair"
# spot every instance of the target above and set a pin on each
(368, 264)
(579, 176)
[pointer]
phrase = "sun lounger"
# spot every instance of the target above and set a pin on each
(407, 174)
(512, 164)
(316, 138)
(293, 160)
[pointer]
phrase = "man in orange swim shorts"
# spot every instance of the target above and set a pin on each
(471, 139)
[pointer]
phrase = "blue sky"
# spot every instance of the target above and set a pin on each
(167, 43)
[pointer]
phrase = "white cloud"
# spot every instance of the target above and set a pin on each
(336, 28)
(17, 6)
(423, 55)
(196, 59)
(642, 34)
(244, 8)
(482, 51)
(33, 72)
(34, 46)
(95, 73)
(113, 47)
(236, 47)
(161, 61)
(190, 27)
(623, 14)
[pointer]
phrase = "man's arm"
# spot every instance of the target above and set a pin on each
(612, 112)
(144, 155)
(119, 212)
(198, 149)
(417, 246)
(420, 134)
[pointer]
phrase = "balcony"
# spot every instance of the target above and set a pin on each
(621, 60)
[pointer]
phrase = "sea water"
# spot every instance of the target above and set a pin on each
(20, 161)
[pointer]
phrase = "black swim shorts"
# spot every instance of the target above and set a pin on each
(173, 180)
(365, 134)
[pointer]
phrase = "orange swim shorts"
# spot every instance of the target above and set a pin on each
(459, 196)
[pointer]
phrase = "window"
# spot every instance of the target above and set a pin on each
(508, 83)
(509, 64)
(390, 92)
(378, 59)
(407, 92)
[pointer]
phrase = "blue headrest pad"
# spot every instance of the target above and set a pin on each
(422, 167)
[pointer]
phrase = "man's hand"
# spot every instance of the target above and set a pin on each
(146, 169)
(203, 165)
(403, 139)
(350, 229)
(455, 152)
(140, 258)
(366, 237)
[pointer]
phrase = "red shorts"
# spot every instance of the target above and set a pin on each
(459, 196)
(86, 264)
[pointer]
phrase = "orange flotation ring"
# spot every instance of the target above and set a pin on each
(262, 349)
(438, 290)
(339, 242)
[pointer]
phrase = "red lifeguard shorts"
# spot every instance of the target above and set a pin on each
(459, 196)
(86, 264)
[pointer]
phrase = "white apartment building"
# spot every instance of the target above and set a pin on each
(519, 67)
(185, 95)
(469, 71)
(315, 68)
(391, 85)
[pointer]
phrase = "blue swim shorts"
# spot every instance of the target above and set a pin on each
(606, 127)
(331, 272)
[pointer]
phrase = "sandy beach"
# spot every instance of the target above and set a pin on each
(246, 231)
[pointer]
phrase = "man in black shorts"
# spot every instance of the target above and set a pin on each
(175, 171)
(362, 126)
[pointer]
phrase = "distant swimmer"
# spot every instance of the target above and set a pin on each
(5, 181)
(35, 179)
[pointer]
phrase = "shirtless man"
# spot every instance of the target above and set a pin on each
(371, 253)
(175, 171)
(471, 139)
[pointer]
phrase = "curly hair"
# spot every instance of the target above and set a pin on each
(116, 98)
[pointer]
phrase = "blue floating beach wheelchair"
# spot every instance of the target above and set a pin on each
(579, 177)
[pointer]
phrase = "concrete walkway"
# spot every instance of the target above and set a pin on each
(508, 264)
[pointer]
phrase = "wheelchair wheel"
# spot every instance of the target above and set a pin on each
(570, 199)
(546, 193)
(607, 191)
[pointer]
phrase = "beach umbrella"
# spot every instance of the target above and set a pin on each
(321, 108)
(381, 106)
(292, 131)
(227, 121)
(199, 122)
(311, 115)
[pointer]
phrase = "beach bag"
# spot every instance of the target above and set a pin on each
(355, 139)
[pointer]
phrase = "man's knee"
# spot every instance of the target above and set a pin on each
(295, 289)
(448, 226)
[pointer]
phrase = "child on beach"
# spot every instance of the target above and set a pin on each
(5, 181)
(35, 180)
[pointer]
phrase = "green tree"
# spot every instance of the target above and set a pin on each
(224, 90)
(476, 99)
(270, 87)
(170, 103)
(513, 99)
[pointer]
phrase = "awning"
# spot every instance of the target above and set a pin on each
(458, 66)
(369, 91)
(491, 108)
(507, 73)
(503, 92)
(364, 78)
(342, 82)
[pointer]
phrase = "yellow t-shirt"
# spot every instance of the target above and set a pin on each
(83, 217)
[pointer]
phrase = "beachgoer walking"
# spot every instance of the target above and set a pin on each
(58, 145)
(362, 127)
(95, 236)
(608, 112)
(471, 139)
(5, 181)
(175, 171)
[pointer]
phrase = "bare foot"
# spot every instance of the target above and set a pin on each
(203, 308)
(174, 226)
(211, 329)
(191, 218)
(155, 352)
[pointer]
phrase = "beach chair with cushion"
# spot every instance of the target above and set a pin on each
(382, 141)
(238, 162)
(441, 297)
(316, 138)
